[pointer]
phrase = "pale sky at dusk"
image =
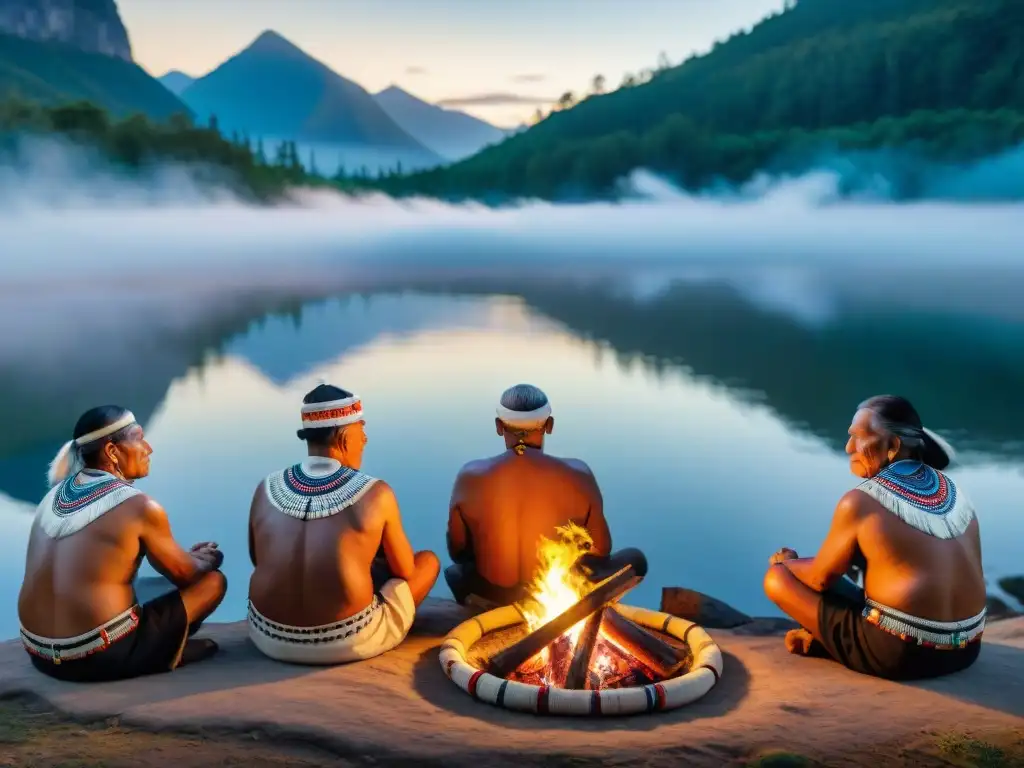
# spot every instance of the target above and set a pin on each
(504, 57)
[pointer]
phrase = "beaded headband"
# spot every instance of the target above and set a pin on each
(335, 413)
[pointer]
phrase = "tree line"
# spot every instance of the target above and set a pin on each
(942, 76)
(696, 157)
(136, 143)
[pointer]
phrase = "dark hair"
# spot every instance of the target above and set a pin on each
(322, 393)
(523, 398)
(97, 418)
(899, 417)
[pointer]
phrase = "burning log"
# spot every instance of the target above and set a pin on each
(597, 568)
(505, 662)
(663, 658)
(579, 668)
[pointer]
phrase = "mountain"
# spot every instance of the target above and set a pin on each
(274, 90)
(56, 51)
(176, 82)
(93, 26)
(450, 133)
(937, 76)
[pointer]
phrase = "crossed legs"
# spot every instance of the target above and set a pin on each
(426, 568)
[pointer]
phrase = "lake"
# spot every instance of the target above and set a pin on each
(712, 407)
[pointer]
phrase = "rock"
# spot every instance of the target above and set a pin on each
(1014, 586)
(766, 626)
(93, 26)
(997, 609)
(437, 617)
(700, 608)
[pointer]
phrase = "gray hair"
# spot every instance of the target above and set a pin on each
(909, 435)
(895, 416)
(523, 398)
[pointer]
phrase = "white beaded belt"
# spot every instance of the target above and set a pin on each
(328, 633)
(93, 641)
(943, 635)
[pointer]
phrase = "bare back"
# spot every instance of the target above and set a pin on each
(503, 505)
(314, 572)
(911, 571)
(77, 583)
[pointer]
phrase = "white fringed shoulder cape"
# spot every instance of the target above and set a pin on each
(79, 500)
(922, 497)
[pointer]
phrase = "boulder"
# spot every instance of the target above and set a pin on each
(700, 608)
(1014, 586)
(766, 626)
(997, 609)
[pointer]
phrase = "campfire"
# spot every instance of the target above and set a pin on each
(603, 649)
(572, 639)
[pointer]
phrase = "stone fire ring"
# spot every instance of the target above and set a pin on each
(546, 700)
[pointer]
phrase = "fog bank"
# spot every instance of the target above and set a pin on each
(66, 218)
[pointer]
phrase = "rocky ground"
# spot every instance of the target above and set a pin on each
(769, 709)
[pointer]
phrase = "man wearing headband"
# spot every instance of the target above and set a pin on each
(912, 533)
(80, 617)
(315, 530)
(501, 506)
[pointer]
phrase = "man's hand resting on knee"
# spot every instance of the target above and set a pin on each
(207, 556)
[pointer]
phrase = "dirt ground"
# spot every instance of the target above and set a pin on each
(769, 709)
(34, 735)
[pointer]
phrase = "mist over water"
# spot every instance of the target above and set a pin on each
(64, 214)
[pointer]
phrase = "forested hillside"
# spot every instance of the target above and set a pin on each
(136, 145)
(56, 73)
(945, 77)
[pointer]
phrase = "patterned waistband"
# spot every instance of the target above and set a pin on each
(86, 644)
(326, 633)
(943, 635)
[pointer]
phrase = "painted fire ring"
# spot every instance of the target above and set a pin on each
(545, 700)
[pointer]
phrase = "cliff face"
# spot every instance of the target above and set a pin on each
(89, 25)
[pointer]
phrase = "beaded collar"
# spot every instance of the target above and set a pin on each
(316, 488)
(79, 500)
(922, 497)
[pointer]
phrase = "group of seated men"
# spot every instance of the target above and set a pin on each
(336, 579)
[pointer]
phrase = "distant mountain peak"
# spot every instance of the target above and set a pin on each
(270, 41)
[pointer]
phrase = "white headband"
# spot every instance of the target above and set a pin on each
(68, 462)
(336, 413)
(524, 419)
(97, 434)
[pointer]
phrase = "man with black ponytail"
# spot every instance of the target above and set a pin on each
(912, 532)
(80, 619)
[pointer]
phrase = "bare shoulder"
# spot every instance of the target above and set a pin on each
(854, 506)
(578, 465)
(380, 500)
(149, 510)
(476, 468)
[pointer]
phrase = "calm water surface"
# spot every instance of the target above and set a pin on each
(713, 417)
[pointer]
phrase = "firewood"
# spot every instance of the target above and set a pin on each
(660, 656)
(503, 663)
(580, 666)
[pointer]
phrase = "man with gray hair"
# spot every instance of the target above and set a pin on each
(914, 535)
(81, 618)
(501, 506)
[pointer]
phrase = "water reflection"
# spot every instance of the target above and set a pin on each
(711, 418)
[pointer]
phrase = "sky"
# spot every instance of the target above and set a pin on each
(497, 59)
